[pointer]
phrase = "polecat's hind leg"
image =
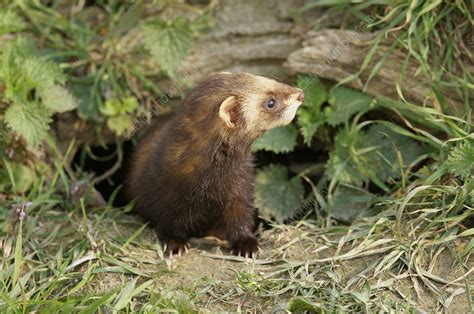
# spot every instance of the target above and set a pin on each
(175, 246)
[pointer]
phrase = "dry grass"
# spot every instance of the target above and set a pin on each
(102, 260)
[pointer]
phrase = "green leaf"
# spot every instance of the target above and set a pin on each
(129, 292)
(12, 68)
(99, 303)
(18, 255)
(88, 106)
(10, 22)
(342, 165)
(390, 147)
(42, 73)
(281, 139)
(168, 42)
(127, 21)
(19, 47)
(29, 120)
(309, 120)
(22, 176)
(114, 107)
(303, 305)
(120, 123)
(461, 159)
(345, 102)
(129, 104)
(125, 295)
(22, 75)
(375, 154)
(111, 107)
(310, 115)
(347, 203)
(275, 194)
(314, 90)
(58, 99)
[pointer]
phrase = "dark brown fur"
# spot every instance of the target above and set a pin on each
(194, 176)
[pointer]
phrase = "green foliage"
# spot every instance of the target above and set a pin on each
(348, 203)
(58, 99)
(21, 177)
(345, 102)
(378, 154)
(168, 42)
(302, 305)
(461, 159)
(102, 59)
(275, 194)
(310, 114)
(349, 161)
(278, 140)
(10, 21)
(119, 113)
(429, 33)
(23, 73)
(113, 107)
(394, 151)
(178, 301)
(29, 120)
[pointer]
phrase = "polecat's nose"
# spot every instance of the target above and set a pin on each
(300, 95)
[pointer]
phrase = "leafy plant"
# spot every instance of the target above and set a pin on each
(10, 22)
(348, 203)
(344, 103)
(461, 159)
(278, 140)
(168, 42)
(276, 195)
(21, 177)
(34, 90)
(310, 114)
(377, 152)
(427, 32)
(119, 113)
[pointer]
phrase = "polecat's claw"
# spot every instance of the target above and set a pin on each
(176, 247)
(245, 247)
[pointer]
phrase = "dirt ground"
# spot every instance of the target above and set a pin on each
(209, 279)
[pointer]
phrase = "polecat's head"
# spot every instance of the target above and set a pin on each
(256, 103)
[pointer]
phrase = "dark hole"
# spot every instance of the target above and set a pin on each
(98, 160)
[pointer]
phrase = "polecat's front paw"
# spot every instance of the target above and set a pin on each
(247, 247)
(175, 247)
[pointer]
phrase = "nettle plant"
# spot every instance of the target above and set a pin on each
(33, 90)
(370, 161)
(102, 62)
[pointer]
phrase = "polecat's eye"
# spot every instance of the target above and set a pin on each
(271, 103)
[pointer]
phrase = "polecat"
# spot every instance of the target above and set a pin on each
(193, 176)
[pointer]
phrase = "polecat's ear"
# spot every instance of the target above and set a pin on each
(228, 111)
